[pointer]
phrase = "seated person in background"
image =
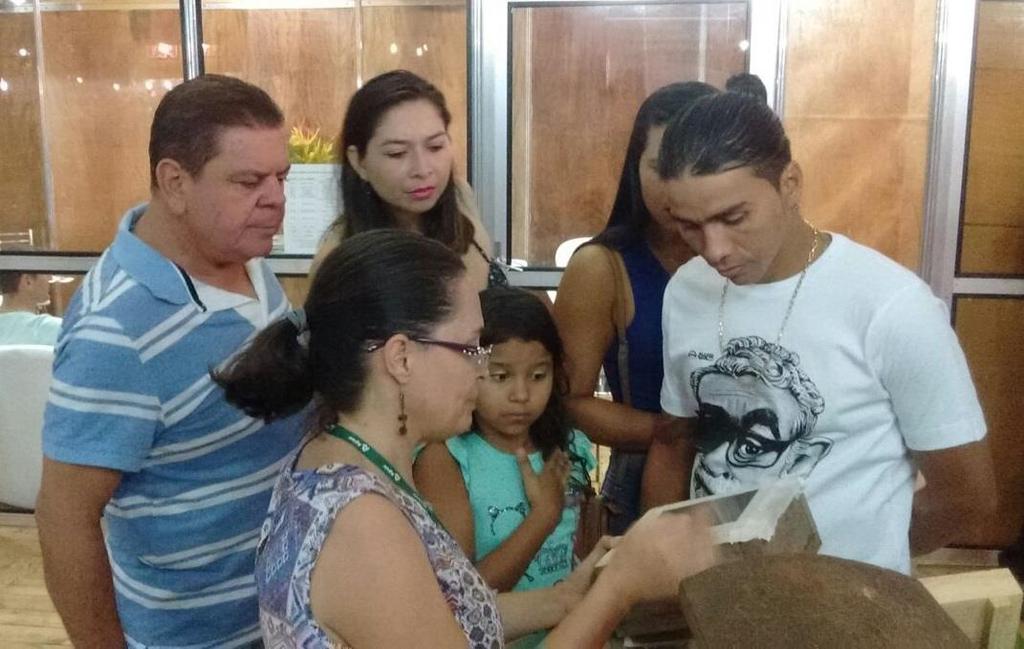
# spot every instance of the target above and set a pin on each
(609, 309)
(351, 555)
(21, 323)
(510, 489)
(745, 83)
(398, 171)
(794, 351)
(154, 487)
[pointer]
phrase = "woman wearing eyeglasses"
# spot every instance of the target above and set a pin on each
(387, 346)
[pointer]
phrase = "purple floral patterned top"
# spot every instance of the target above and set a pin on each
(302, 509)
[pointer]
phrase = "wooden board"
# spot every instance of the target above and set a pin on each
(985, 604)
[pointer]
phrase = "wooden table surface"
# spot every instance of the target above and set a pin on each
(27, 617)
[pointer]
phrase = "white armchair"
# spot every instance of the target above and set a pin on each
(25, 372)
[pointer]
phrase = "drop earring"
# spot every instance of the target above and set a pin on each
(402, 417)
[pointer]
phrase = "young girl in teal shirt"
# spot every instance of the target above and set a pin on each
(510, 489)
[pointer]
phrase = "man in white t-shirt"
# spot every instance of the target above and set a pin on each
(792, 351)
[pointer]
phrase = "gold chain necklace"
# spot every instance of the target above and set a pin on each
(792, 299)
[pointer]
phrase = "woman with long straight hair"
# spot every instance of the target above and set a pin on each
(609, 309)
(398, 171)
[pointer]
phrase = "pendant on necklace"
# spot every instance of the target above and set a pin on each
(789, 307)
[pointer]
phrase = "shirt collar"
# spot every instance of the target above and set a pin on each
(145, 265)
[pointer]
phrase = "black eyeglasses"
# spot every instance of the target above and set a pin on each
(478, 355)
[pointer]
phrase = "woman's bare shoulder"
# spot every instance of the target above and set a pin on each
(591, 263)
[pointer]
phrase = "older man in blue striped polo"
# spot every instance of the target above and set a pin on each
(136, 434)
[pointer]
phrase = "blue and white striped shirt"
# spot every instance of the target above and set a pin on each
(131, 391)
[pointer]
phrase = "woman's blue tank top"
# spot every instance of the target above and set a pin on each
(648, 279)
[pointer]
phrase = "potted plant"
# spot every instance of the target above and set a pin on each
(312, 196)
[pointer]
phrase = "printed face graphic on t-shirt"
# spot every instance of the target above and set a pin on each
(756, 415)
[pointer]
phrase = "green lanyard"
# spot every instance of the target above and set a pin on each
(379, 461)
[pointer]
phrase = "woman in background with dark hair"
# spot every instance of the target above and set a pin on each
(397, 171)
(350, 554)
(609, 309)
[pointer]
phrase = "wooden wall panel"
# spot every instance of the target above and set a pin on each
(993, 237)
(430, 41)
(857, 109)
(589, 70)
(97, 135)
(21, 162)
(521, 123)
(305, 59)
(989, 330)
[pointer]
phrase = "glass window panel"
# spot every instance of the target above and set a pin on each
(578, 76)
(311, 60)
(76, 116)
(993, 216)
(23, 208)
(430, 40)
(82, 129)
(989, 330)
(105, 71)
(306, 59)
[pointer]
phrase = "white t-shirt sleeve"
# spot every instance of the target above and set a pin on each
(674, 385)
(920, 363)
